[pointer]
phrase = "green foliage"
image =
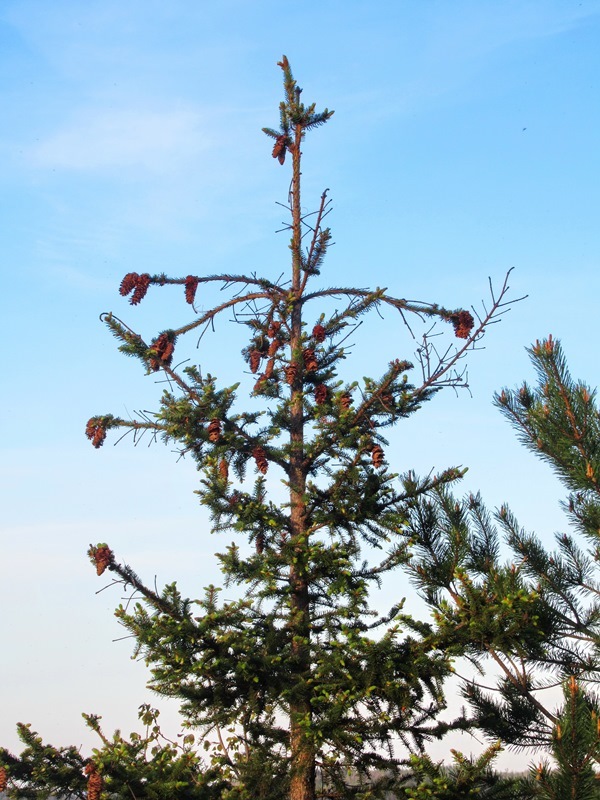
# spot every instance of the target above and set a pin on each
(467, 777)
(145, 766)
(43, 771)
(535, 619)
(575, 749)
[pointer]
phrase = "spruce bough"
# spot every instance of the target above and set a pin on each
(297, 688)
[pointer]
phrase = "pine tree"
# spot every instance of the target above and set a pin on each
(298, 678)
(575, 748)
(535, 619)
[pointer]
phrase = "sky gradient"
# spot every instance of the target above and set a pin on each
(464, 143)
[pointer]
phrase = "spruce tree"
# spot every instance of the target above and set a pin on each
(145, 766)
(534, 618)
(297, 688)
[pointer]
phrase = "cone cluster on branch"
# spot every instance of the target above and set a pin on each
(96, 432)
(163, 347)
(138, 284)
(463, 324)
(102, 556)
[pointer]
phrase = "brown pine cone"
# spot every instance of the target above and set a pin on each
(94, 785)
(255, 357)
(346, 401)
(102, 556)
(141, 287)
(260, 457)
(260, 542)
(273, 329)
(310, 361)
(274, 347)
(320, 394)
(128, 283)
(319, 333)
(290, 373)
(3, 778)
(279, 148)
(270, 368)
(164, 348)
(214, 430)
(377, 456)
(224, 469)
(191, 284)
(95, 431)
(463, 324)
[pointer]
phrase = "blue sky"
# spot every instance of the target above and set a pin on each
(464, 143)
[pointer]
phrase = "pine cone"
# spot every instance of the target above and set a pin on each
(128, 283)
(191, 284)
(255, 357)
(214, 430)
(346, 401)
(310, 361)
(95, 431)
(94, 785)
(223, 469)
(463, 324)
(274, 347)
(260, 457)
(164, 348)
(377, 456)
(273, 329)
(141, 287)
(320, 394)
(270, 368)
(319, 333)
(102, 556)
(3, 778)
(290, 373)
(279, 148)
(260, 542)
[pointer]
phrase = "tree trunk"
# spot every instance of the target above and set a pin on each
(302, 784)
